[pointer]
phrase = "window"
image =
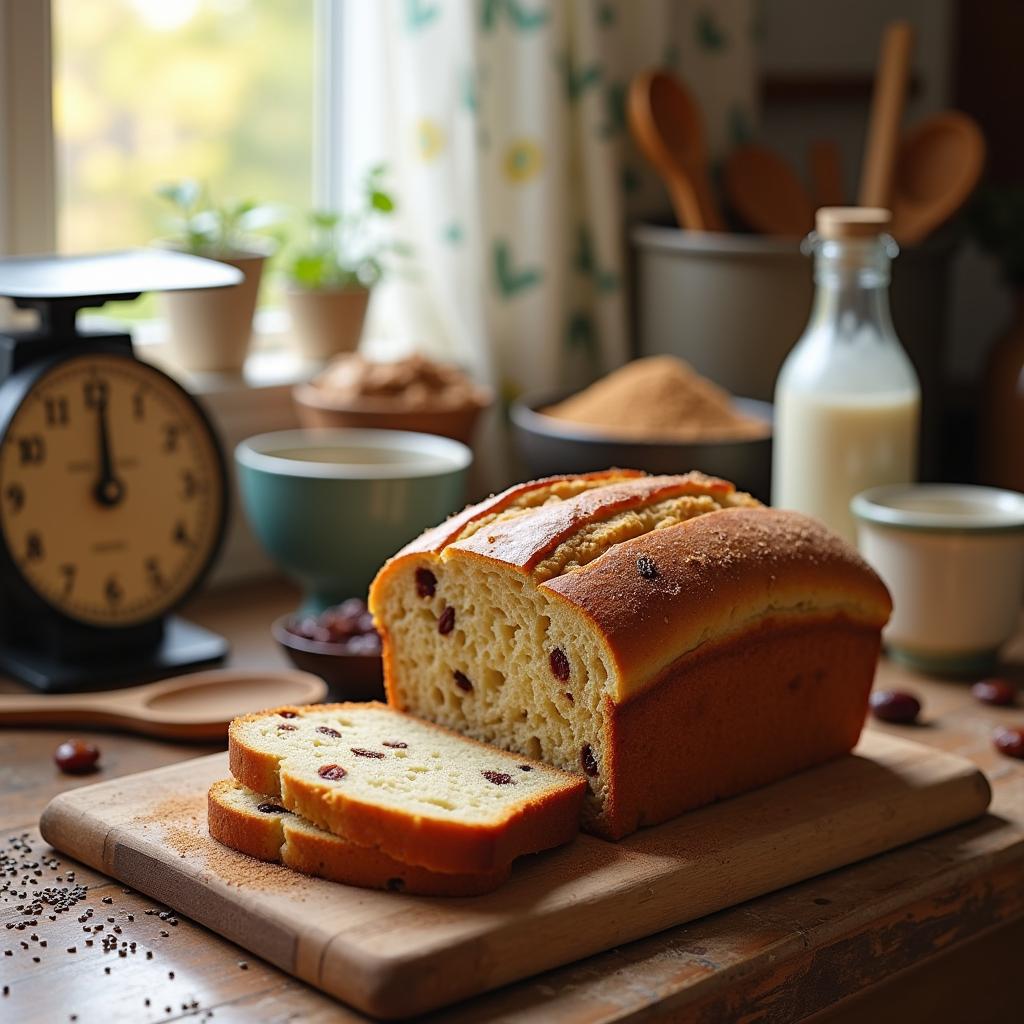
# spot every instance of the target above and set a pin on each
(242, 94)
(147, 92)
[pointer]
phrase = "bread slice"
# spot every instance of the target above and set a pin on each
(252, 824)
(668, 636)
(419, 793)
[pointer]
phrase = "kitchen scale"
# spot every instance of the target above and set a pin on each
(113, 486)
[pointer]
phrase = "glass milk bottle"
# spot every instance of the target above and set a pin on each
(847, 401)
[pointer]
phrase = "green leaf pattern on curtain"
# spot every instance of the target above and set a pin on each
(516, 174)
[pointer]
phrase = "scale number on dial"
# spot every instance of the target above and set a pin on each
(111, 490)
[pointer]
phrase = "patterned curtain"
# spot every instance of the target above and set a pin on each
(503, 122)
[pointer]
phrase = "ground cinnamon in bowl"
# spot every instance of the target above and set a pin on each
(658, 398)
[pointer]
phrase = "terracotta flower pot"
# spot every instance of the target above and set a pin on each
(326, 321)
(210, 329)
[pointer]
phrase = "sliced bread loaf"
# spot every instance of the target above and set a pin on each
(667, 635)
(252, 824)
(417, 792)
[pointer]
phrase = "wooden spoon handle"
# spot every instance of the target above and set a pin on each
(22, 711)
(685, 203)
(710, 215)
(826, 173)
(887, 104)
(22, 707)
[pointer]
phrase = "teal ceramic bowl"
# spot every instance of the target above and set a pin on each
(330, 506)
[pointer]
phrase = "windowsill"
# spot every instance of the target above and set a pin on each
(272, 361)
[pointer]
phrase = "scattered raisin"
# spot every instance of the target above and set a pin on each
(284, 727)
(328, 731)
(525, 767)
(395, 744)
(569, 697)
(426, 583)
(76, 757)
(646, 567)
(395, 885)
(363, 752)
(272, 809)
(588, 760)
(462, 681)
(498, 778)
(1009, 741)
(288, 714)
(895, 706)
(1000, 692)
(446, 623)
(332, 772)
(559, 664)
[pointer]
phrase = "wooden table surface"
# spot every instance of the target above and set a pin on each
(931, 932)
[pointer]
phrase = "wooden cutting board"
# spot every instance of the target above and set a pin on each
(392, 955)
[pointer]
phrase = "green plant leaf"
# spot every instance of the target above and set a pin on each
(381, 201)
(308, 271)
(183, 194)
(326, 219)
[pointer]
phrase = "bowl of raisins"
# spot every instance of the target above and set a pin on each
(340, 645)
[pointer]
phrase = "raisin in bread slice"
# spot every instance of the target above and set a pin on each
(419, 793)
(666, 635)
(261, 828)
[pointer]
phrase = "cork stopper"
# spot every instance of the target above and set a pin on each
(838, 222)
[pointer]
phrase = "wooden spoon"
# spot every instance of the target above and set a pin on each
(667, 126)
(887, 104)
(826, 167)
(766, 193)
(197, 706)
(938, 166)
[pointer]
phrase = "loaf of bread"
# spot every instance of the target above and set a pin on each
(667, 637)
(416, 792)
(255, 825)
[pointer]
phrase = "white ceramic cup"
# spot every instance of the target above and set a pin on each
(952, 556)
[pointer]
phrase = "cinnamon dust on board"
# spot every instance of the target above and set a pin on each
(658, 398)
(181, 823)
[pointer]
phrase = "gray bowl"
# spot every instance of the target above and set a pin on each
(548, 446)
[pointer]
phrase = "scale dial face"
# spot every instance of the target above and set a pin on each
(111, 490)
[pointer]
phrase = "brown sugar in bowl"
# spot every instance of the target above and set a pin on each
(318, 408)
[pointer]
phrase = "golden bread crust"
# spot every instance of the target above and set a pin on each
(438, 537)
(737, 714)
(523, 541)
(712, 576)
(259, 836)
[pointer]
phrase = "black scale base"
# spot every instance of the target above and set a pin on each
(184, 646)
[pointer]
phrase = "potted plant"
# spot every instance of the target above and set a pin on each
(331, 275)
(210, 329)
